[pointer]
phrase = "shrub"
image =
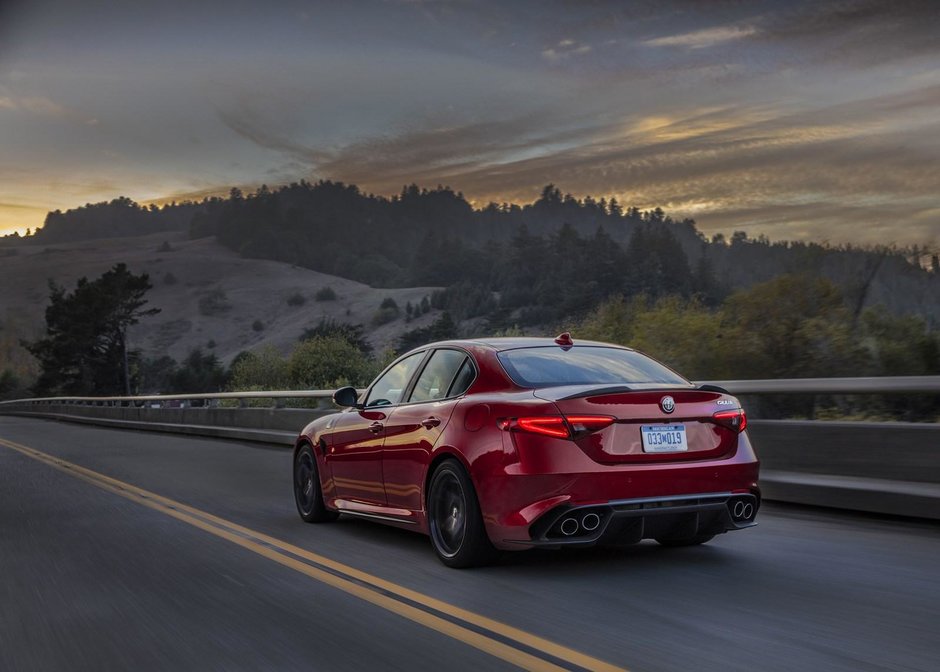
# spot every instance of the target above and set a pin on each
(326, 362)
(441, 329)
(169, 279)
(257, 325)
(214, 302)
(199, 373)
(296, 299)
(354, 333)
(387, 312)
(384, 316)
(325, 294)
(262, 369)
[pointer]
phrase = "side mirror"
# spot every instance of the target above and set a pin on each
(347, 397)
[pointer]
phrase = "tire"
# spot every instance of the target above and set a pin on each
(454, 519)
(307, 493)
(689, 541)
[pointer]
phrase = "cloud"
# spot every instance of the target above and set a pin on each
(248, 126)
(565, 48)
(757, 167)
(39, 105)
(43, 107)
(781, 174)
(700, 39)
(853, 32)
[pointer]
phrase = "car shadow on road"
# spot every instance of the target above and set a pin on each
(645, 555)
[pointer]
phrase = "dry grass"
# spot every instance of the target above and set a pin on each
(255, 289)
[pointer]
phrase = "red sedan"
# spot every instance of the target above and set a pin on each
(513, 443)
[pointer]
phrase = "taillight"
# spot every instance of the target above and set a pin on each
(589, 423)
(549, 426)
(735, 420)
(557, 426)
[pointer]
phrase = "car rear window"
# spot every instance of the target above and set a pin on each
(583, 365)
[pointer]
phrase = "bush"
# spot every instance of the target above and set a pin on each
(325, 294)
(257, 325)
(354, 333)
(464, 300)
(262, 369)
(169, 279)
(198, 373)
(296, 299)
(9, 382)
(214, 303)
(387, 312)
(442, 329)
(384, 316)
(328, 362)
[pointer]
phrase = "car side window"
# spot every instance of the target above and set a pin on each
(438, 375)
(464, 378)
(390, 387)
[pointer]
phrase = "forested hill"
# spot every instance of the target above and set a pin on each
(513, 264)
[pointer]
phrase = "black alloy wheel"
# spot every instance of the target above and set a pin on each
(307, 493)
(456, 525)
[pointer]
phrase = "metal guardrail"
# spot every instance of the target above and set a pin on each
(208, 396)
(861, 385)
(888, 468)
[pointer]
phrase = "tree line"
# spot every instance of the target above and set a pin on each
(526, 264)
(793, 326)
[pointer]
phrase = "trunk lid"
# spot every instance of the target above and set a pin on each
(688, 432)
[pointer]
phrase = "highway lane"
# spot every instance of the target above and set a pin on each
(92, 580)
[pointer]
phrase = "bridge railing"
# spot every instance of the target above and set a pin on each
(277, 399)
(882, 467)
(859, 385)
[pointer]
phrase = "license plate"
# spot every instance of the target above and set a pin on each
(664, 438)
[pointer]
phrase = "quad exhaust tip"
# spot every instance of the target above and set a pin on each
(742, 510)
(569, 526)
(590, 521)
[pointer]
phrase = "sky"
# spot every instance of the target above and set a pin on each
(796, 120)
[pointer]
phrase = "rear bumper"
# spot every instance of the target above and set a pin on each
(522, 500)
(629, 521)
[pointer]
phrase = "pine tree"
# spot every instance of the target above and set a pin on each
(85, 350)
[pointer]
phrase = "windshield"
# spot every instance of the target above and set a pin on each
(548, 366)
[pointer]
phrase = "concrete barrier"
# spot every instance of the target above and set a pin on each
(879, 467)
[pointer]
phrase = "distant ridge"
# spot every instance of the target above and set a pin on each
(535, 262)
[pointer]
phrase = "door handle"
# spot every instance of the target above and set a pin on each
(428, 423)
(376, 427)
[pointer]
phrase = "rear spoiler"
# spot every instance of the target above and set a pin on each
(591, 391)
(597, 391)
(708, 387)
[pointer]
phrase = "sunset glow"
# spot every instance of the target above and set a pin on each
(794, 120)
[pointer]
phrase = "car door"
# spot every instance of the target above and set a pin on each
(413, 428)
(355, 451)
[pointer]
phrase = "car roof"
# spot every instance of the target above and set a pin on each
(512, 342)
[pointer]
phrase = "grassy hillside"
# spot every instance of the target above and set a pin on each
(209, 296)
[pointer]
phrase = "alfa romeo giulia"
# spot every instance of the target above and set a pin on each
(514, 443)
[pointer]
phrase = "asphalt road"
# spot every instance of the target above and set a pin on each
(223, 575)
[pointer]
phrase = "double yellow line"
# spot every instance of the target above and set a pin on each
(513, 645)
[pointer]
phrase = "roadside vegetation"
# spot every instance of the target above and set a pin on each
(713, 308)
(794, 326)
